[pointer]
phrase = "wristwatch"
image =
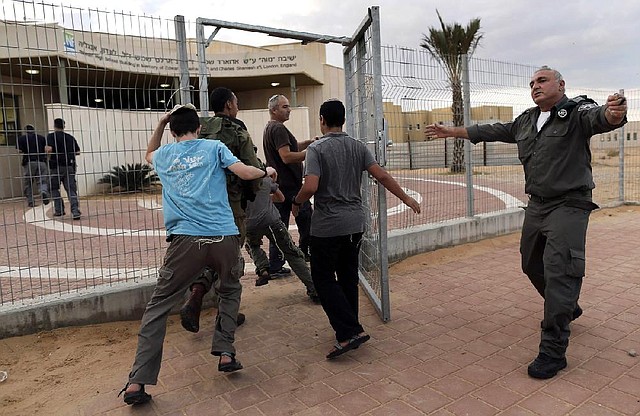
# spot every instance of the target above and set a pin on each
(293, 201)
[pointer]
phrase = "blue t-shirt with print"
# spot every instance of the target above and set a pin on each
(194, 187)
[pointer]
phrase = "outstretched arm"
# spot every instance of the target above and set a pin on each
(439, 131)
(392, 186)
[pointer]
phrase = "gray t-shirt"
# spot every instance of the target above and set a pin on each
(338, 160)
(261, 212)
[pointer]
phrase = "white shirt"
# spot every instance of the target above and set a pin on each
(542, 119)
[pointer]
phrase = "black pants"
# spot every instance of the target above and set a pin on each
(334, 270)
(553, 257)
(303, 221)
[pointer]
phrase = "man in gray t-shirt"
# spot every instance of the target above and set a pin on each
(333, 175)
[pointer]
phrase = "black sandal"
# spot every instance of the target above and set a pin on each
(135, 397)
(229, 367)
(353, 343)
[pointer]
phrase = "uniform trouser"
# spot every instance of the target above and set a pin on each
(207, 277)
(35, 171)
(279, 236)
(67, 176)
(334, 269)
(553, 257)
(303, 221)
(186, 257)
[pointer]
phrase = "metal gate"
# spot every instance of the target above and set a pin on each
(363, 81)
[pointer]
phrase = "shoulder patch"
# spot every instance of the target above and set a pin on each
(587, 106)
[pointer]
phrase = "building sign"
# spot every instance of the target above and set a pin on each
(243, 64)
(69, 42)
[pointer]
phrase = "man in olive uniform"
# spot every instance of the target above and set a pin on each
(553, 146)
(224, 126)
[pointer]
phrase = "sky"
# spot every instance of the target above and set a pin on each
(592, 42)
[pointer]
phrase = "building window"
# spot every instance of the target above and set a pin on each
(9, 123)
(628, 136)
(418, 126)
(635, 135)
(615, 137)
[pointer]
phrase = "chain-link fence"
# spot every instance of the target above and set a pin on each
(110, 75)
(416, 92)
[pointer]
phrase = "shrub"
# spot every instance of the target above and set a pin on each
(130, 177)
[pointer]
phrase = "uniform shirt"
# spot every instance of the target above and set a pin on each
(32, 145)
(261, 212)
(338, 160)
(277, 135)
(557, 159)
(64, 148)
(194, 191)
(233, 133)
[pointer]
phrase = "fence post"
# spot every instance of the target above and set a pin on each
(466, 96)
(183, 60)
(621, 161)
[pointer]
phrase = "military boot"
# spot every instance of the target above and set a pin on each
(190, 311)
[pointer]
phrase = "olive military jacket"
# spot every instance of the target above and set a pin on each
(556, 159)
(233, 133)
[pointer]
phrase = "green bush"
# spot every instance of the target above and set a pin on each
(130, 177)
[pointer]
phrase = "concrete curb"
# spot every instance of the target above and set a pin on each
(127, 301)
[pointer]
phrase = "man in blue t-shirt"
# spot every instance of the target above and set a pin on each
(202, 234)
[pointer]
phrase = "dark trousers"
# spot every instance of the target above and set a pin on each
(185, 259)
(303, 221)
(553, 257)
(334, 270)
(65, 175)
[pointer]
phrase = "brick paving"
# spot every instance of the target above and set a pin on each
(465, 324)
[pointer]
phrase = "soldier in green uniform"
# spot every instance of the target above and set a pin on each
(553, 146)
(224, 126)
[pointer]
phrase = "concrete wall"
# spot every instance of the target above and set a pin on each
(127, 301)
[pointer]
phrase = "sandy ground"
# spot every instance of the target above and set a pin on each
(50, 372)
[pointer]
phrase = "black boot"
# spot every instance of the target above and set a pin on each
(190, 311)
(546, 367)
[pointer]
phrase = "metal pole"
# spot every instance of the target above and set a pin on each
(621, 161)
(294, 91)
(202, 69)
(466, 95)
(62, 82)
(183, 60)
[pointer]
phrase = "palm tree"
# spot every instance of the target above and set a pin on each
(448, 44)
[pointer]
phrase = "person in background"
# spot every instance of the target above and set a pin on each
(64, 149)
(34, 164)
(286, 155)
(553, 146)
